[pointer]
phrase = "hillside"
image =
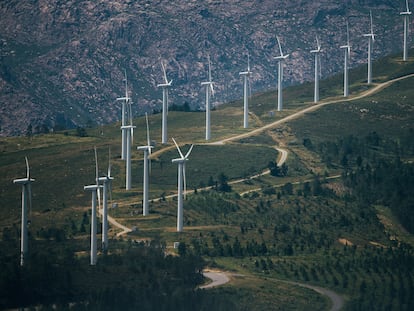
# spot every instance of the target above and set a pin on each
(311, 226)
(62, 62)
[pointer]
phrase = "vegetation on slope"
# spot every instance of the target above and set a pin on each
(315, 229)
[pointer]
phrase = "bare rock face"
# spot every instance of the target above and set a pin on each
(62, 62)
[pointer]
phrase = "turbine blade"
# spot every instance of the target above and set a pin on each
(320, 67)
(189, 151)
(164, 72)
(149, 162)
(130, 114)
(280, 47)
(318, 44)
(372, 27)
(126, 85)
(248, 62)
(97, 179)
(96, 166)
(212, 89)
(178, 148)
(109, 162)
(347, 33)
(110, 191)
(29, 193)
(406, 2)
(209, 69)
(27, 169)
(148, 135)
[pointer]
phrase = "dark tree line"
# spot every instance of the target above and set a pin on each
(138, 277)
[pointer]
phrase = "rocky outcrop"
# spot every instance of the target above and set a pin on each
(62, 62)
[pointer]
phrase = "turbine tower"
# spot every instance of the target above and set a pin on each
(126, 100)
(246, 83)
(26, 198)
(129, 129)
(406, 16)
(209, 88)
(371, 39)
(147, 163)
(95, 190)
(317, 69)
(107, 188)
(181, 182)
(165, 87)
(347, 49)
(280, 59)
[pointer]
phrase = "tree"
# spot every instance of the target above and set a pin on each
(81, 132)
(182, 249)
(222, 183)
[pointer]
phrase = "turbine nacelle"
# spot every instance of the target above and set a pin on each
(281, 57)
(210, 83)
(167, 84)
(408, 12)
(127, 99)
(369, 35)
(348, 47)
(318, 49)
(245, 73)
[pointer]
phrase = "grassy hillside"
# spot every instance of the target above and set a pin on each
(306, 227)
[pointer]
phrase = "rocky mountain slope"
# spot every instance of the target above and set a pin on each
(62, 62)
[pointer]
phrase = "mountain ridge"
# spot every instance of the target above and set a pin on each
(62, 63)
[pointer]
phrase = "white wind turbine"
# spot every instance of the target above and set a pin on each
(107, 188)
(147, 154)
(94, 189)
(246, 83)
(371, 39)
(347, 49)
(165, 87)
(281, 58)
(317, 69)
(209, 88)
(26, 197)
(126, 100)
(406, 16)
(181, 183)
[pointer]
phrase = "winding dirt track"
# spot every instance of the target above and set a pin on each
(218, 277)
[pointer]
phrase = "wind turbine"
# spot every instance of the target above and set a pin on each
(125, 102)
(371, 39)
(107, 188)
(246, 83)
(94, 189)
(147, 153)
(26, 196)
(406, 16)
(165, 87)
(181, 182)
(317, 69)
(280, 59)
(347, 53)
(209, 87)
